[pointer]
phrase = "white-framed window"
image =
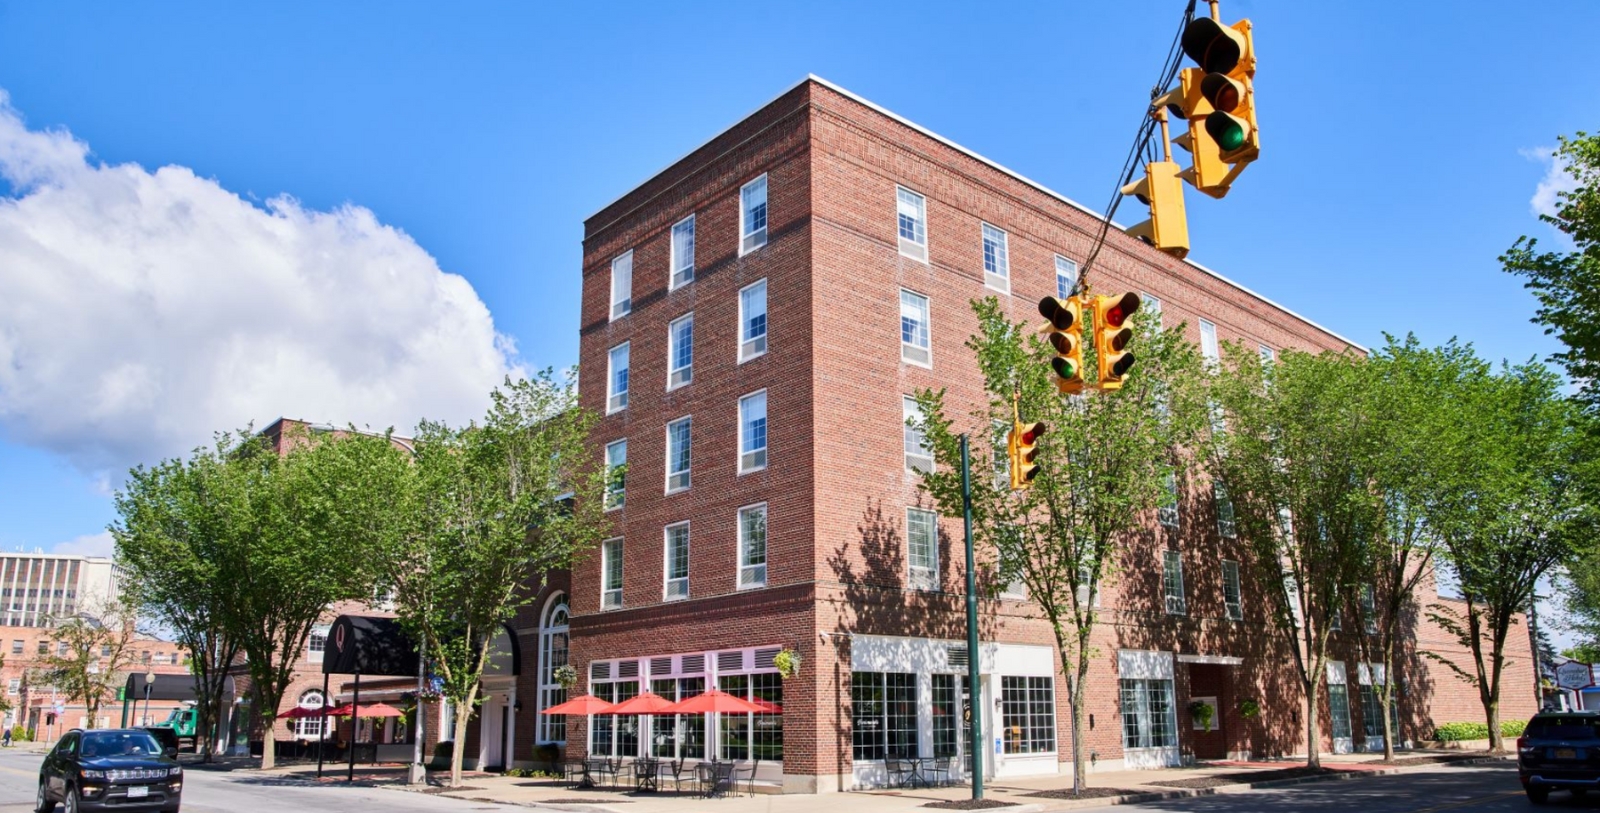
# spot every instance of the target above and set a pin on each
(676, 558)
(617, 379)
(309, 728)
(1232, 598)
(1268, 355)
(14, 685)
(1208, 342)
(1369, 609)
(1149, 716)
(912, 216)
(919, 455)
(622, 285)
(1172, 582)
(922, 548)
(1225, 523)
(678, 454)
(752, 320)
(1291, 594)
(753, 432)
(1028, 714)
(996, 259)
(753, 546)
(616, 473)
(916, 344)
(317, 642)
(1167, 509)
(682, 253)
(753, 215)
(1150, 304)
(680, 351)
(554, 639)
(611, 574)
(1066, 276)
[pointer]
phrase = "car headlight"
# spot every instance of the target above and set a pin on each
(88, 774)
(176, 771)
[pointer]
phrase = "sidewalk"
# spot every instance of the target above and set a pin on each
(1020, 795)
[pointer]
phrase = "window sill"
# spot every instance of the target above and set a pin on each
(751, 357)
(743, 588)
(680, 385)
(926, 365)
(1003, 287)
(669, 492)
(743, 472)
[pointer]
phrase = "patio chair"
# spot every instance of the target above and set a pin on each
(748, 774)
(679, 771)
(716, 778)
(900, 771)
(941, 771)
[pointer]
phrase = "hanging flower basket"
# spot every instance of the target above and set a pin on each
(788, 663)
(1249, 709)
(1202, 713)
(566, 675)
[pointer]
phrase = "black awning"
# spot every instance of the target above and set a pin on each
(168, 687)
(366, 645)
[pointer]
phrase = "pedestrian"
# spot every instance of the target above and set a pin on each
(5, 739)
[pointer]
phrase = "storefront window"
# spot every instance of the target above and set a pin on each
(1028, 714)
(614, 735)
(735, 730)
(883, 714)
(1147, 714)
(945, 713)
(675, 736)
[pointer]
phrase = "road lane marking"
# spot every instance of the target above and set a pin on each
(1470, 802)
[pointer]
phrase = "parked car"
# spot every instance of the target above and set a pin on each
(1560, 750)
(111, 769)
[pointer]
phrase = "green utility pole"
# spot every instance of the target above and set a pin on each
(974, 700)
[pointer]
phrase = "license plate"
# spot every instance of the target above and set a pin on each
(138, 792)
(1566, 753)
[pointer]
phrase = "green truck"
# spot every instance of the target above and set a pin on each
(183, 721)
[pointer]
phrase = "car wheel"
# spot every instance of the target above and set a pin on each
(43, 803)
(1538, 795)
(72, 801)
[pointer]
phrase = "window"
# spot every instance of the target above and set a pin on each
(883, 715)
(913, 221)
(13, 685)
(1231, 598)
(919, 455)
(610, 735)
(1010, 549)
(753, 432)
(1148, 717)
(944, 715)
(1151, 304)
(622, 285)
(1066, 276)
(1225, 524)
(44, 647)
(1028, 714)
(16, 647)
(1369, 609)
(680, 351)
(1268, 355)
(1208, 341)
(309, 728)
(61, 650)
(553, 641)
(677, 561)
(678, 455)
(611, 574)
(753, 546)
(617, 378)
(753, 320)
(105, 651)
(1172, 582)
(753, 215)
(1167, 509)
(747, 736)
(996, 265)
(1291, 594)
(682, 253)
(915, 346)
(317, 642)
(679, 736)
(922, 548)
(616, 473)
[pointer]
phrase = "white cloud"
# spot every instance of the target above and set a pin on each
(100, 544)
(1556, 179)
(140, 311)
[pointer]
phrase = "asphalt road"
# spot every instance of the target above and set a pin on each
(1457, 789)
(212, 792)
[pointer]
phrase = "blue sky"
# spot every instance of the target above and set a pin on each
(472, 140)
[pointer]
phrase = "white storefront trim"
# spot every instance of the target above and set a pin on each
(1144, 664)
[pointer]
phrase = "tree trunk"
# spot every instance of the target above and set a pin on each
(1386, 699)
(1491, 710)
(1075, 700)
(463, 714)
(269, 740)
(1313, 730)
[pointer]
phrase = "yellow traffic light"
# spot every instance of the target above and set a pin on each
(1168, 226)
(1209, 174)
(1111, 337)
(1227, 54)
(1023, 446)
(1065, 330)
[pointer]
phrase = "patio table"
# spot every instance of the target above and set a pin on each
(646, 774)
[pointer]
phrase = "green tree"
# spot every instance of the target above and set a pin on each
(1294, 444)
(1567, 283)
(1104, 464)
(1579, 585)
(93, 662)
(493, 506)
(175, 523)
(1518, 511)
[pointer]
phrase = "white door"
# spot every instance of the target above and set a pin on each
(490, 751)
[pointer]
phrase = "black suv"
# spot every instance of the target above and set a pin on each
(121, 769)
(1560, 750)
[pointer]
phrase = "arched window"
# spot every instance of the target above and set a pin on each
(552, 654)
(309, 728)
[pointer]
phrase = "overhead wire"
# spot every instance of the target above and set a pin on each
(1141, 143)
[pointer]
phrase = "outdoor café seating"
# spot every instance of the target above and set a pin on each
(716, 778)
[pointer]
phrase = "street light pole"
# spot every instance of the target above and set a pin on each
(149, 678)
(974, 660)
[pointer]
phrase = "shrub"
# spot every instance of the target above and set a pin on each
(20, 734)
(1513, 728)
(441, 755)
(1455, 732)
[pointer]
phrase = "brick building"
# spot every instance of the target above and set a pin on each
(746, 314)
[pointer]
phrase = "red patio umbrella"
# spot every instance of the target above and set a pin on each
(379, 710)
(714, 701)
(300, 712)
(767, 706)
(647, 703)
(582, 704)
